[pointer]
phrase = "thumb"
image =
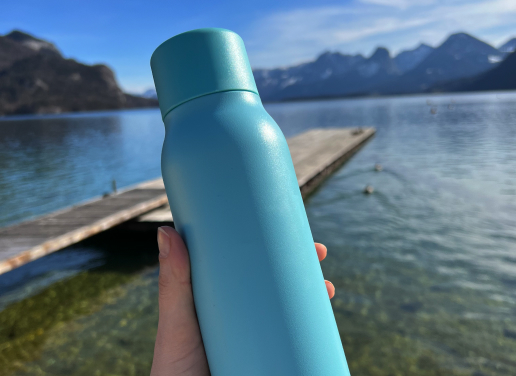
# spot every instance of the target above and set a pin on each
(174, 271)
(179, 346)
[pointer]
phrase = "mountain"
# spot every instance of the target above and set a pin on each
(272, 83)
(501, 77)
(331, 74)
(33, 43)
(461, 55)
(508, 47)
(36, 78)
(407, 60)
(334, 74)
(150, 93)
(17, 46)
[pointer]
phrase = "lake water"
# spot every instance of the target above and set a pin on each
(425, 267)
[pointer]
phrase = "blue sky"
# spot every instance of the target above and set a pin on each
(123, 34)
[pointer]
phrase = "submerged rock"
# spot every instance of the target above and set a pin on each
(368, 190)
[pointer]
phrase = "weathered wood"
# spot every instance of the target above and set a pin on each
(319, 152)
(315, 154)
(330, 150)
(33, 239)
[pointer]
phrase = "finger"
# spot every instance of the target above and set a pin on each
(330, 288)
(179, 349)
(322, 251)
(174, 271)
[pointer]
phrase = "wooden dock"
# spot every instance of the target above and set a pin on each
(316, 154)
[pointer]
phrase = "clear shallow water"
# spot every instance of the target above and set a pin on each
(425, 267)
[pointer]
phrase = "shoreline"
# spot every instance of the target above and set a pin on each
(310, 99)
(378, 96)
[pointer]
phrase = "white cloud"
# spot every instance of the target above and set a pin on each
(401, 4)
(298, 35)
(382, 25)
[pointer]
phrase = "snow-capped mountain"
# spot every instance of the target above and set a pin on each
(332, 73)
(150, 93)
(508, 47)
(407, 60)
(461, 55)
(336, 74)
(272, 82)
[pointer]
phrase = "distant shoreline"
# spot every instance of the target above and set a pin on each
(374, 96)
(312, 99)
(72, 113)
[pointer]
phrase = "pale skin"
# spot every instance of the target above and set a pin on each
(179, 350)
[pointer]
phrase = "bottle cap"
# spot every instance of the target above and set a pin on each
(200, 62)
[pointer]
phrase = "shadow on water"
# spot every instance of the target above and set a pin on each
(116, 258)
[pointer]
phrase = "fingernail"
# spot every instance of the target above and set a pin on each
(163, 243)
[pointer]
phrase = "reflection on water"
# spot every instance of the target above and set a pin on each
(425, 267)
(47, 163)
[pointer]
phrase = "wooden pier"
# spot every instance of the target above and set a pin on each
(316, 154)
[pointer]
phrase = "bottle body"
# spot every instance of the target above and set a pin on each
(259, 292)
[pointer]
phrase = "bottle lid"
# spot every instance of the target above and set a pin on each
(197, 63)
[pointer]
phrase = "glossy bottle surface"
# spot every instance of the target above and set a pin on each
(259, 291)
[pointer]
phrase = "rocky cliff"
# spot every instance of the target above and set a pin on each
(36, 79)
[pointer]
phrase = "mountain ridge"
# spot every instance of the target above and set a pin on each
(408, 59)
(508, 47)
(36, 78)
(334, 74)
(501, 77)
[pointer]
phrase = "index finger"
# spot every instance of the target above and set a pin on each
(322, 251)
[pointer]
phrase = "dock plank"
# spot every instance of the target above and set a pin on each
(315, 153)
(27, 241)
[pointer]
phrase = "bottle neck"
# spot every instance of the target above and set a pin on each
(204, 95)
(232, 100)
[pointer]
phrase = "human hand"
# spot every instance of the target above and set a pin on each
(179, 349)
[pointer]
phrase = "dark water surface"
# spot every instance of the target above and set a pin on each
(425, 267)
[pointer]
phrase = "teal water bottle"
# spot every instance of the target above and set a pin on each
(259, 291)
